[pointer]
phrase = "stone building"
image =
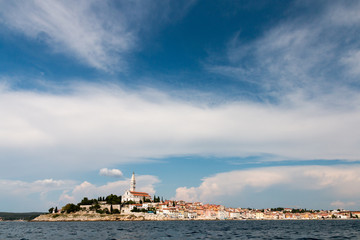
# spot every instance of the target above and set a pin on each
(132, 195)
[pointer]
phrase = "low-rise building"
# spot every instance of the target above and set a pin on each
(132, 195)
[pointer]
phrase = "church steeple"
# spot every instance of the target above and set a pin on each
(132, 183)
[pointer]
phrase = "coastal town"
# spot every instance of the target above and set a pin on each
(135, 205)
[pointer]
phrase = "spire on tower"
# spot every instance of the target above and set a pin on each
(132, 183)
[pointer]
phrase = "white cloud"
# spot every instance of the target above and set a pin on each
(23, 188)
(343, 15)
(110, 172)
(42, 194)
(352, 62)
(329, 182)
(95, 126)
(39, 195)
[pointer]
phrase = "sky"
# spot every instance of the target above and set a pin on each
(239, 103)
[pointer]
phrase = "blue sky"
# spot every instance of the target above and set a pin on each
(241, 103)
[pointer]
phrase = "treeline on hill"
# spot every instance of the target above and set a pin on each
(112, 199)
(10, 216)
(293, 210)
(95, 206)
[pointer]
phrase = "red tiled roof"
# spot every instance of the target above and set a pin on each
(144, 194)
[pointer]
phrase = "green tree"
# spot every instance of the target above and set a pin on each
(279, 209)
(113, 199)
(70, 207)
(87, 201)
(56, 209)
(51, 210)
(135, 209)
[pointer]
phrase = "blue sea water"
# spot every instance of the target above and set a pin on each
(298, 229)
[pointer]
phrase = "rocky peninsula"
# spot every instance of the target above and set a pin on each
(88, 217)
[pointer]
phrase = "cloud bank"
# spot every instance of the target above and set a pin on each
(92, 123)
(40, 195)
(36, 195)
(16, 187)
(329, 186)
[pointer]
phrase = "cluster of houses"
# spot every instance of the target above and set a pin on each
(197, 210)
(141, 202)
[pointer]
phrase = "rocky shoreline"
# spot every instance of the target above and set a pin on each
(94, 217)
(89, 217)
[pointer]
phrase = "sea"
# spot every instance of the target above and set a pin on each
(243, 229)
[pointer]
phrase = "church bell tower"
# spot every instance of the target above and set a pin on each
(132, 183)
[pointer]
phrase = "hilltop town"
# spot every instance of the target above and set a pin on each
(135, 205)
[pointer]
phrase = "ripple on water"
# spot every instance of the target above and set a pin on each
(183, 230)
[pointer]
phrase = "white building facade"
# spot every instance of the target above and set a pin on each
(132, 195)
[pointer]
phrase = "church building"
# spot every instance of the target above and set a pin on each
(132, 195)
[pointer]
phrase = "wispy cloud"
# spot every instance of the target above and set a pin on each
(22, 188)
(98, 33)
(325, 183)
(72, 28)
(313, 53)
(352, 62)
(36, 195)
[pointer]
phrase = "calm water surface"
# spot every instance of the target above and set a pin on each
(332, 229)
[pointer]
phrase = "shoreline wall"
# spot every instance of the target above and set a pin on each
(87, 217)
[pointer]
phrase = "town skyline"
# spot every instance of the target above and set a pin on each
(237, 103)
(134, 205)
